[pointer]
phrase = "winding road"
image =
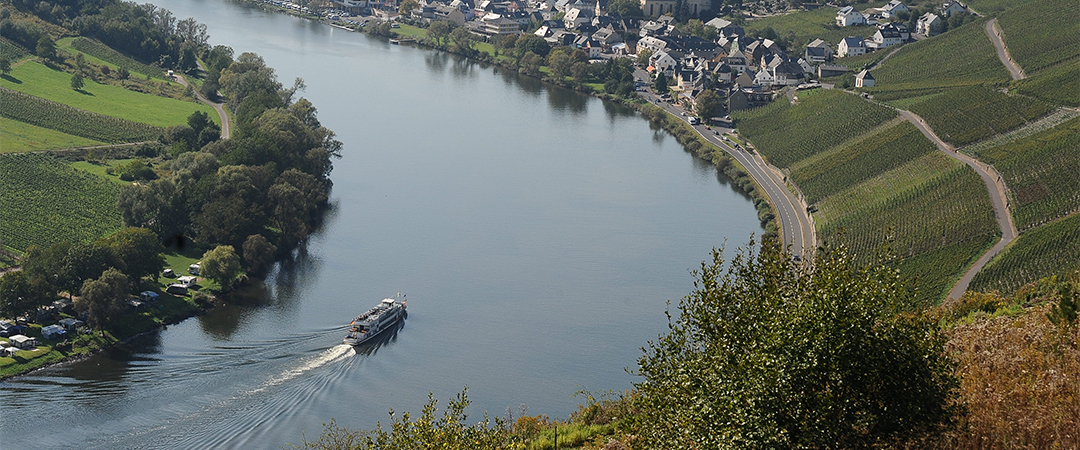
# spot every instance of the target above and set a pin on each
(219, 107)
(796, 226)
(994, 31)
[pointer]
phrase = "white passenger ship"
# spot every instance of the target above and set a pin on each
(376, 320)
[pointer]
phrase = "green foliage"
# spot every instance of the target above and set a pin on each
(57, 116)
(107, 54)
(137, 250)
(23, 293)
(223, 266)
(1064, 313)
(968, 114)
(12, 51)
(77, 82)
(1051, 249)
(104, 299)
(708, 104)
(798, 28)
(1055, 84)
(1041, 171)
(822, 119)
(449, 431)
(1040, 34)
(858, 160)
(768, 352)
(46, 201)
(960, 57)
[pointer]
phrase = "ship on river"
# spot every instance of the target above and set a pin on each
(383, 316)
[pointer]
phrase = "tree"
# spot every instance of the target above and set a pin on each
(258, 253)
(463, 39)
(708, 104)
(661, 84)
(46, 48)
(644, 56)
(139, 250)
(531, 43)
(103, 299)
(769, 352)
(5, 66)
(76, 82)
(407, 6)
(22, 293)
(223, 266)
(626, 8)
(439, 31)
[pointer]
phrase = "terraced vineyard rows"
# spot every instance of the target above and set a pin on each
(1055, 85)
(918, 209)
(11, 51)
(969, 114)
(1042, 33)
(822, 119)
(1048, 250)
(44, 201)
(1043, 173)
(57, 116)
(836, 170)
(103, 52)
(960, 57)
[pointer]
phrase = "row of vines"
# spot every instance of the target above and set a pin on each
(822, 119)
(1042, 33)
(44, 201)
(60, 117)
(1044, 251)
(107, 54)
(969, 114)
(11, 51)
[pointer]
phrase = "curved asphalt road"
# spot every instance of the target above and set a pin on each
(994, 31)
(796, 227)
(220, 108)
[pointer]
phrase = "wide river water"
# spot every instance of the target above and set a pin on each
(537, 232)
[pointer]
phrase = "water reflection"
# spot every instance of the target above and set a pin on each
(221, 323)
(383, 339)
(436, 61)
(562, 99)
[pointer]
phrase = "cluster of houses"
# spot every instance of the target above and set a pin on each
(17, 341)
(928, 24)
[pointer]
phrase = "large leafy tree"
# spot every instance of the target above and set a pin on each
(103, 298)
(222, 264)
(770, 352)
(22, 293)
(138, 250)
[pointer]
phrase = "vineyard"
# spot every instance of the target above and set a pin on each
(835, 170)
(917, 210)
(1055, 85)
(107, 54)
(47, 114)
(1048, 250)
(969, 114)
(11, 51)
(17, 136)
(801, 27)
(46, 201)
(1042, 33)
(960, 57)
(1042, 172)
(822, 119)
(40, 81)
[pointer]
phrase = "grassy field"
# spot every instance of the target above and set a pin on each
(35, 79)
(44, 201)
(65, 119)
(959, 57)
(18, 136)
(1052, 249)
(99, 169)
(832, 171)
(1043, 173)
(968, 114)
(822, 119)
(1041, 34)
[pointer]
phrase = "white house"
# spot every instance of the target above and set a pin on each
(848, 16)
(663, 62)
(864, 79)
(892, 8)
(23, 342)
(885, 37)
(851, 46)
(952, 7)
(929, 24)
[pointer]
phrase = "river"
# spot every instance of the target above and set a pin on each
(537, 232)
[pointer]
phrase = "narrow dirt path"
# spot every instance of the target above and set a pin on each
(220, 108)
(994, 185)
(994, 31)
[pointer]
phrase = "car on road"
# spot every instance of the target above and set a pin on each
(693, 120)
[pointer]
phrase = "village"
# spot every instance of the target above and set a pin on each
(744, 70)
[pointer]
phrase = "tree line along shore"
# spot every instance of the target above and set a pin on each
(912, 213)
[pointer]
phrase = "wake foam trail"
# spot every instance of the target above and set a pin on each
(329, 355)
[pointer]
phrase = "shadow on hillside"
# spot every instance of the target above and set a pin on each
(84, 92)
(11, 78)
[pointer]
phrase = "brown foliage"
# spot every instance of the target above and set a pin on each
(1020, 380)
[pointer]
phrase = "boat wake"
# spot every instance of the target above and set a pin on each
(328, 356)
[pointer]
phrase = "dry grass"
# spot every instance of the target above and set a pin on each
(1020, 381)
